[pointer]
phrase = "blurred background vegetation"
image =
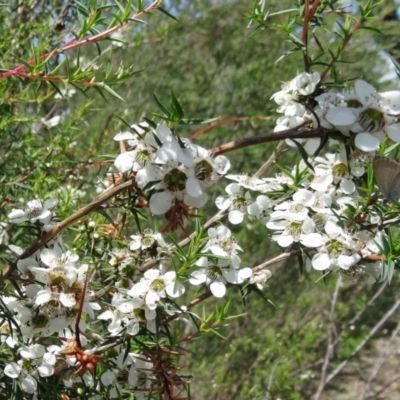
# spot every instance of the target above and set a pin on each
(216, 68)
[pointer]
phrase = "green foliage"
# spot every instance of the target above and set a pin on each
(207, 65)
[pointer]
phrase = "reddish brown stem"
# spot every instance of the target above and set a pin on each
(294, 133)
(70, 45)
(216, 124)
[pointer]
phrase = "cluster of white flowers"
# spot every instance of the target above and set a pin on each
(362, 112)
(35, 211)
(240, 202)
(293, 104)
(55, 286)
(175, 169)
(315, 215)
(221, 265)
(309, 207)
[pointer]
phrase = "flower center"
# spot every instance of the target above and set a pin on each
(214, 272)
(175, 180)
(148, 240)
(239, 202)
(372, 120)
(203, 171)
(143, 157)
(122, 376)
(340, 170)
(296, 207)
(39, 321)
(334, 247)
(34, 208)
(158, 285)
(294, 229)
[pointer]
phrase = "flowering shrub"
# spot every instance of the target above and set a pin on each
(98, 319)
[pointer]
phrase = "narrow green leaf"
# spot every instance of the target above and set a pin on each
(163, 108)
(109, 90)
(303, 154)
(165, 12)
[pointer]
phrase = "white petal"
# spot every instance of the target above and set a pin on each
(321, 261)
(12, 370)
(393, 132)
(17, 216)
(345, 262)
(50, 358)
(235, 217)
(223, 203)
(218, 289)
(347, 186)
(124, 162)
(106, 315)
(308, 226)
(50, 203)
(197, 202)
(232, 188)
(246, 273)
(132, 328)
(29, 385)
(124, 136)
(193, 187)
(312, 145)
(222, 164)
(160, 203)
(365, 92)
(36, 350)
(175, 289)
(67, 299)
(341, 116)
(114, 326)
(322, 182)
(49, 257)
(283, 240)
(45, 369)
(108, 378)
(311, 240)
(197, 278)
(366, 142)
(42, 297)
(152, 299)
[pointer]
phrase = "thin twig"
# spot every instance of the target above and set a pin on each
(379, 362)
(369, 304)
(294, 133)
(106, 195)
(330, 346)
(371, 333)
(266, 166)
(375, 395)
(73, 44)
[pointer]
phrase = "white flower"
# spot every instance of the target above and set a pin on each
(122, 317)
(146, 241)
(368, 114)
(339, 250)
(305, 83)
(293, 230)
(260, 277)
(222, 244)
(216, 275)
(36, 362)
(52, 122)
(154, 286)
(35, 210)
(249, 182)
(237, 203)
